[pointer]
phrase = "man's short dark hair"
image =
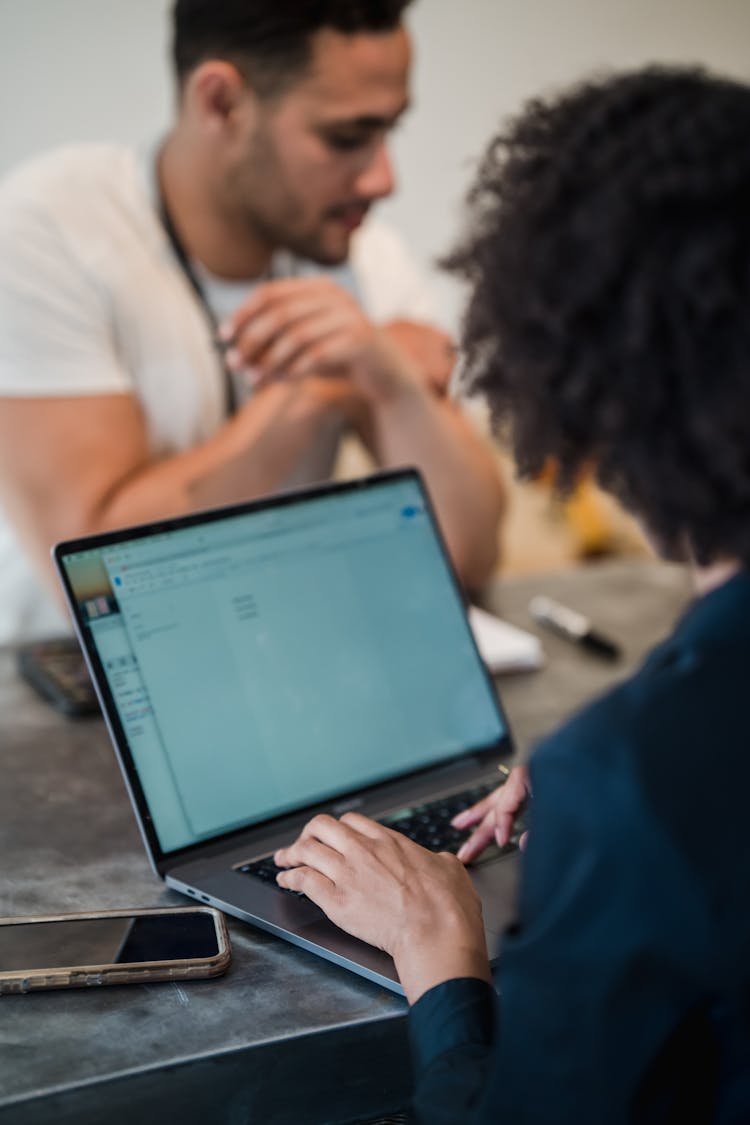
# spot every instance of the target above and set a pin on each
(609, 325)
(269, 40)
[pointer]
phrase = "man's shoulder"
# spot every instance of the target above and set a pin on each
(84, 204)
(71, 178)
(375, 242)
(393, 283)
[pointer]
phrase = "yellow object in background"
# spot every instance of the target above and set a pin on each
(587, 513)
(590, 519)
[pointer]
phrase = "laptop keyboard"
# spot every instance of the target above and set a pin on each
(427, 824)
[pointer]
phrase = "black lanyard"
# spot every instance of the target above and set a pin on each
(230, 391)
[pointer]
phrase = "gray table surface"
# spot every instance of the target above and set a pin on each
(283, 1038)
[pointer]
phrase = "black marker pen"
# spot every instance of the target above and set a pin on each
(573, 626)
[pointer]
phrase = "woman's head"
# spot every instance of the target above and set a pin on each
(609, 322)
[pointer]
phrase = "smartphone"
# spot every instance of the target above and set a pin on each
(56, 669)
(112, 947)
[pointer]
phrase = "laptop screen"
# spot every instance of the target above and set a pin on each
(263, 658)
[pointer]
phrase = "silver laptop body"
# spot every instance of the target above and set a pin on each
(260, 663)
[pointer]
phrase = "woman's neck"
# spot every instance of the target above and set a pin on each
(707, 578)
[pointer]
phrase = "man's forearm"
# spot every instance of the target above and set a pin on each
(249, 456)
(417, 428)
(98, 471)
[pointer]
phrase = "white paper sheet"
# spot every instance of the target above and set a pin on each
(504, 647)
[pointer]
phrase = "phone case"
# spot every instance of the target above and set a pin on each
(85, 976)
(56, 669)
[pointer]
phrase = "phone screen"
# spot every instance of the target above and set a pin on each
(123, 940)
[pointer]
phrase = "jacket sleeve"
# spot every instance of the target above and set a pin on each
(572, 1041)
(451, 1032)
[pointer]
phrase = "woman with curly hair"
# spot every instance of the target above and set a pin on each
(609, 328)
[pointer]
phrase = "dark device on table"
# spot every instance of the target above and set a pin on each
(57, 670)
(307, 652)
(112, 947)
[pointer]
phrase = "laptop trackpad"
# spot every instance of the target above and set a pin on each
(343, 948)
(497, 884)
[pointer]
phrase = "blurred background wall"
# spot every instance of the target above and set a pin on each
(73, 70)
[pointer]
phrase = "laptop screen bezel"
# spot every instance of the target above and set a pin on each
(162, 860)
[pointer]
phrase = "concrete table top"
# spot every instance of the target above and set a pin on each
(284, 1038)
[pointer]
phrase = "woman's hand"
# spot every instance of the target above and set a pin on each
(419, 906)
(494, 815)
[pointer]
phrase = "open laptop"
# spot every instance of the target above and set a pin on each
(260, 663)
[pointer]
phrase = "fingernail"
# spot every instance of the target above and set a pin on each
(458, 820)
(254, 375)
(225, 331)
(462, 852)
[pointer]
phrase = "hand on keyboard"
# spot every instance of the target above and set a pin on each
(439, 826)
(433, 824)
(495, 817)
(376, 884)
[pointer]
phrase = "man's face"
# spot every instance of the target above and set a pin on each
(312, 161)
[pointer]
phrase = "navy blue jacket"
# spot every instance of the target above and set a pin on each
(625, 986)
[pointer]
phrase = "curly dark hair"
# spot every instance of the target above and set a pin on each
(609, 322)
(269, 40)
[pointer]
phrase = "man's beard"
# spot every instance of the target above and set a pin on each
(309, 246)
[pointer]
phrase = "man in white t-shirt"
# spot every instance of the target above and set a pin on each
(201, 324)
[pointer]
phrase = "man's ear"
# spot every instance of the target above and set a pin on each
(217, 95)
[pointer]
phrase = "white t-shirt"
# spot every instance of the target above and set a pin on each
(93, 301)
